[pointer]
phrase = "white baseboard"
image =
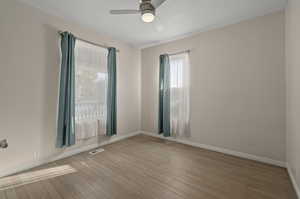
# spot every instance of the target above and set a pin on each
(65, 154)
(293, 179)
(93, 146)
(32, 164)
(222, 150)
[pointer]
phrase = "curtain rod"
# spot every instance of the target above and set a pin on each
(180, 52)
(95, 44)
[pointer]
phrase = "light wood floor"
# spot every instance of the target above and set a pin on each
(143, 167)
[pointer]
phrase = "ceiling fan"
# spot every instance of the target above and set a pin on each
(146, 9)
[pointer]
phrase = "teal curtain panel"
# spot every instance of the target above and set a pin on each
(164, 95)
(66, 109)
(111, 122)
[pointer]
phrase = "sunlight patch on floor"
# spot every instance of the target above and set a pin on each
(34, 176)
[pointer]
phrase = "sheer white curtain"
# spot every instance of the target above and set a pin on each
(180, 95)
(90, 90)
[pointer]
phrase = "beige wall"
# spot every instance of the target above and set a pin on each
(293, 87)
(238, 86)
(29, 73)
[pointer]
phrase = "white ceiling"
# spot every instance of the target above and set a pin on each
(175, 18)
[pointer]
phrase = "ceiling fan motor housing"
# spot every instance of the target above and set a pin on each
(147, 7)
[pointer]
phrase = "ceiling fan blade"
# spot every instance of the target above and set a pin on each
(157, 3)
(123, 12)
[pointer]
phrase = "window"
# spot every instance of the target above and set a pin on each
(176, 64)
(90, 90)
(179, 94)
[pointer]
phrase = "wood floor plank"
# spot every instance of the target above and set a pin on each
(36, 190)
(2, 195)
(11, 194)
(22, 193)
(144, 167)
(63, 190)
(51, 190)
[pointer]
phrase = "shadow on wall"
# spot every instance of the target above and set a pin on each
(51, 72)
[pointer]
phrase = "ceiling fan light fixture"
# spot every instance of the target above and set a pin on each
(148, 16)
(146, 9)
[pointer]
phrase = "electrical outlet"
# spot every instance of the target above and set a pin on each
(3, 144)
(36, 155)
